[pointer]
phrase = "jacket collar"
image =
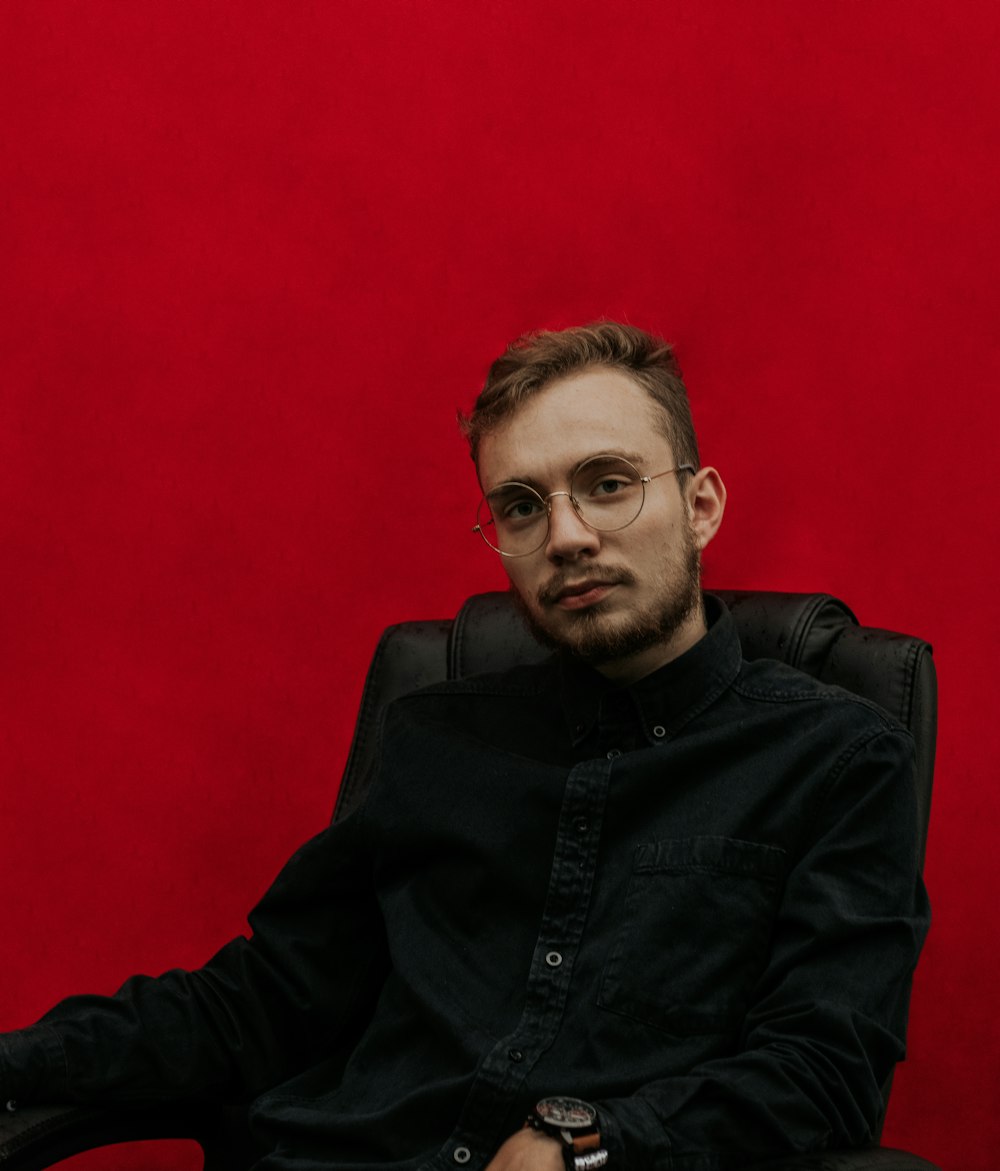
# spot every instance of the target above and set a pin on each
(660, 704)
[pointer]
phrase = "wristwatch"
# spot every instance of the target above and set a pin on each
(574, 1123)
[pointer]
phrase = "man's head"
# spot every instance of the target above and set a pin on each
(534, 360)
(624, 596)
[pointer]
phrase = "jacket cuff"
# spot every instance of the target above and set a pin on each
(633, 1136)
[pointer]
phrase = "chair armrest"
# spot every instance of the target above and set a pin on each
(35, 1137)
(865, 1159)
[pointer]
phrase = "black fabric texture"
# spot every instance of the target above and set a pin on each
(694, 901)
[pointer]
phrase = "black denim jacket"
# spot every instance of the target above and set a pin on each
(694, 901)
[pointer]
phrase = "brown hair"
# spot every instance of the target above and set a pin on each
(535, 359)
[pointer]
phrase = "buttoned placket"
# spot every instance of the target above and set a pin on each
(508, 1064)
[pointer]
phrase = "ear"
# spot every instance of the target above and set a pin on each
(706, 502)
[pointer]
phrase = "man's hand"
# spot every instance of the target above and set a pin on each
(528, 1150)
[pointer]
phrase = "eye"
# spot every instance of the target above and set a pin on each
(608, 486)
(515, 505)
(524, 508)
(604, 480)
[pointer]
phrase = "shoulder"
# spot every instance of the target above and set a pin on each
(478, 702)
(512, 712)
(528, 681)
(769, 682)
(860, 757)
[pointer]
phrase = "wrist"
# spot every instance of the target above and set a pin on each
(574, 1124)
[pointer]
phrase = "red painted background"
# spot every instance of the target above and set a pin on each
(253, 257)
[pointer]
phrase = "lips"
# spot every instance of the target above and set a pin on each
(582, 594)
(575, 595)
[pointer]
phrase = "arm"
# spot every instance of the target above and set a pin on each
(528, 1150)
(260, 1009)
(827, 1021)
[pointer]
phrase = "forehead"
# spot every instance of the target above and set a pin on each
(572, 418)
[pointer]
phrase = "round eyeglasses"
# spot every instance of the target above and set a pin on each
(607, 492)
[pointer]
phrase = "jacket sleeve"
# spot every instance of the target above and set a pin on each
(828, 1017)
(258, 1011)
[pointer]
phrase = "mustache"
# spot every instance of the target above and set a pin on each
(549, 593)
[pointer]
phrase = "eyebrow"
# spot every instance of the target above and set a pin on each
(633, 457)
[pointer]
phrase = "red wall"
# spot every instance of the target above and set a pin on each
(253, 257)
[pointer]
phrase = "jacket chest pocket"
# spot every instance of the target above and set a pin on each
(695, 933)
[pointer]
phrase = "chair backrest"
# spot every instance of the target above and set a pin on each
(814, 632)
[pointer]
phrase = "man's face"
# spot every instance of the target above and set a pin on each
(626, 601)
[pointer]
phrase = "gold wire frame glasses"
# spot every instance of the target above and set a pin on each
(606, 491)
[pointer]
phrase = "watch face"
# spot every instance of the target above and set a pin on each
(566, 1113)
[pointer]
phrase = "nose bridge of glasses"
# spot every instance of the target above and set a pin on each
(569, 529)
(548, 499)
(578, 512)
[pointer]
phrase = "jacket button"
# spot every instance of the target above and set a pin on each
(581, 825)
(515, 1055)
(461, 1154)
(614, 754)
(553, 959)
(659, 731)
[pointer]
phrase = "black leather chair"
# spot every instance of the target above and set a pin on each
(814, 632)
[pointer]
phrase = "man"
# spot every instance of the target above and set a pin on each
(660, 903)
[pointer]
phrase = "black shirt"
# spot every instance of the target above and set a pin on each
(693, 901)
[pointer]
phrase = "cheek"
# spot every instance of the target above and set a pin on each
(666, 551)
(518, 576)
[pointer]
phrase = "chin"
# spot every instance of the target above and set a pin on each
(598, 636)
(602, 641)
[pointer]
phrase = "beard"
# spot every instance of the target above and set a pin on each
(598, 638)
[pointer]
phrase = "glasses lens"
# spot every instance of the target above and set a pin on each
(608, 491)
(513, 519)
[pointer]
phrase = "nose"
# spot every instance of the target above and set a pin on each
(569, 538)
